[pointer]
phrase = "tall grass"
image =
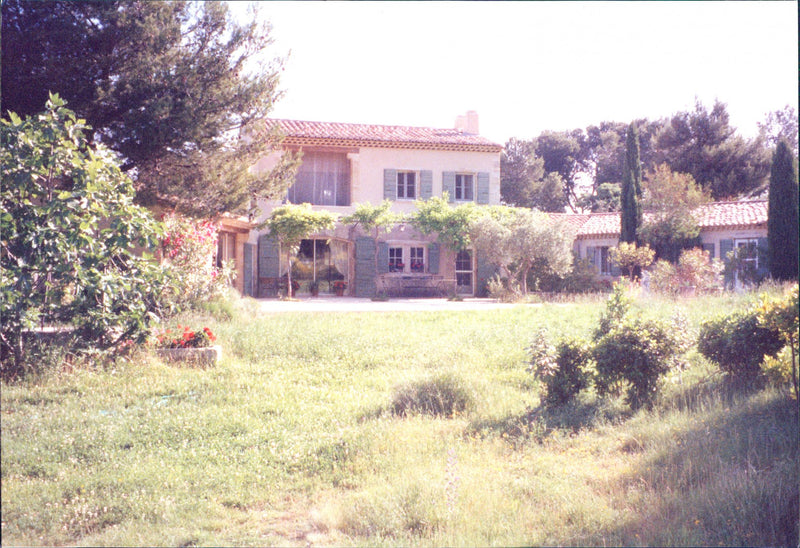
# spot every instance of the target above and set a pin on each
(292, 440)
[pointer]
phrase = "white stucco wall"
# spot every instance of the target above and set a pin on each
(716, 236)
(368, 164)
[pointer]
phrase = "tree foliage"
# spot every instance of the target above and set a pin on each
(705, 145)
(782, 218)
(524, 182)
(169, 85)
(450, 224)
(373, 220)
(780, 125)
(670, 200)
(631, 192)
(69, 235)
(629, 256)
(521, 241)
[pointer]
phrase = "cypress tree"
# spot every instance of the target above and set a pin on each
(782, 220)
(631, 216)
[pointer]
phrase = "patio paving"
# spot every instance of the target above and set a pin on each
(325, 303)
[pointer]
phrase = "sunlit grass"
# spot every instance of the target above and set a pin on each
(292, 440)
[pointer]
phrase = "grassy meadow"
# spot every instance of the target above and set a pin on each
(305, 433)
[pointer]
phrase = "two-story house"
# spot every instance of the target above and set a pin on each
(347, 164)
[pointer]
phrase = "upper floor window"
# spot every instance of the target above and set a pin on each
(406, 185)
(464, 187)
(322, 179)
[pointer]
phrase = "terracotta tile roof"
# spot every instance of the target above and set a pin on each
(712, 216)
(302, 133)
(717, 215)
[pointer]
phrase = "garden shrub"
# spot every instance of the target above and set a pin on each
(442, 396)
(695, 272)
(636, 352)
(783, 315)
(563, 368)
(189, 248)
(583, 278)
(502, 291)
(72, 239)
(617, 307)
(738, 343)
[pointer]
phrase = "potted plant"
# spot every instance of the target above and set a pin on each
(313, 287)
(195, 346)
(339, 286)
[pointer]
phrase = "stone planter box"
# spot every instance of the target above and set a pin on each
(202, 357)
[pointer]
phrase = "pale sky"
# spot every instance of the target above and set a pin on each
(526, 67)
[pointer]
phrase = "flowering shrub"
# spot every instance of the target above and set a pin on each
(695, 272)
(189, 249)
(340, 284)
(187, 339)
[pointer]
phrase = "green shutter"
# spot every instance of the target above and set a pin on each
(247, 278)
(449, 185)
(268, 257)
(591, 256)
(383, 257)
(483, 188)
(269, 266)
(763, 257)
(365, 267)
(425, 184)
(433, 258)
(710, 249)
(390, 184)
(725, 247)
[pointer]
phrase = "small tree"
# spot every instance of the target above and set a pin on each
(670, 199)
(374, 220)
(628, 256)
(782, 219)
(521, 241)
(69, 236)
(290, 223)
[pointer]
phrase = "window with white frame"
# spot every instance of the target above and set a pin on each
(396, 263)
(747, 252)
(417, 259)
(465, 186)
(406, 185)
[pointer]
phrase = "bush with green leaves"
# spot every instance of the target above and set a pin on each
(738, 343)
(564, 369)
(70, 233)
(636, 352)
(783, 315)
(445, 395)
(695, 272)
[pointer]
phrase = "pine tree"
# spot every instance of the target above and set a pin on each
(782, 221)
(631, 216)
(170, 86)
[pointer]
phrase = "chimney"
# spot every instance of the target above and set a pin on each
(461, 123)
(472, 122)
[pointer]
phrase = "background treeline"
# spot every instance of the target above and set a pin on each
(582, 169)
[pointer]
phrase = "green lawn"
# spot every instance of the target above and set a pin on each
(291, 440)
